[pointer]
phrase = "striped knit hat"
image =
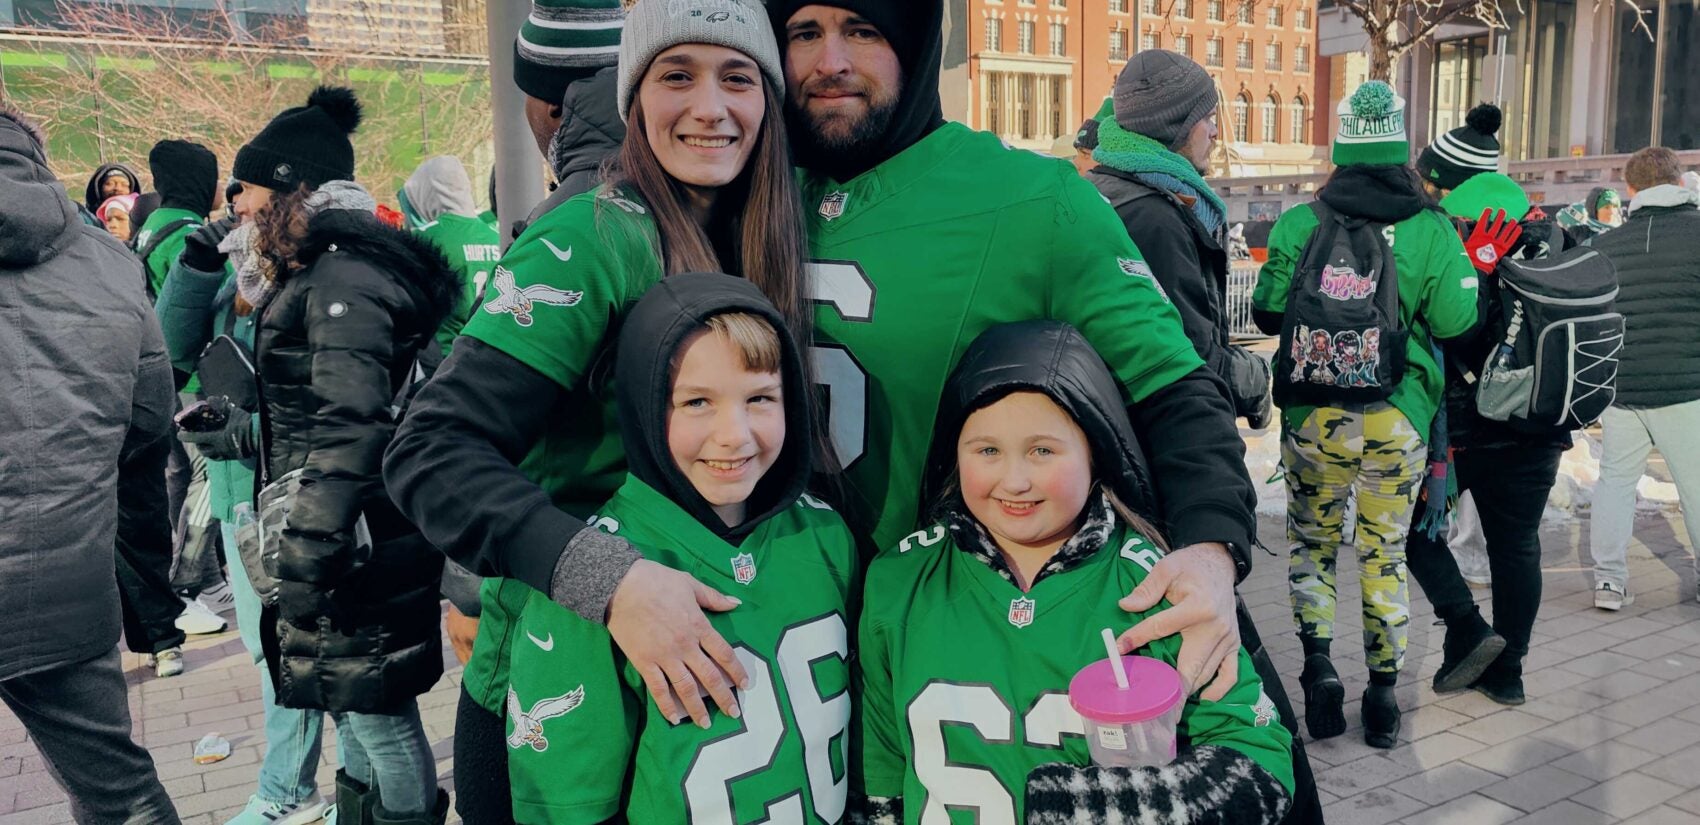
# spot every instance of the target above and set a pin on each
(564, 40)
(1464, 152)
(1372, 127)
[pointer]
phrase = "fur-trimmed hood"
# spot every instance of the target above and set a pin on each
(416, 261)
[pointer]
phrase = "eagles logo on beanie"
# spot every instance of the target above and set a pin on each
(1372, 127)
(304, 145)
(1464, 152)
(564, 40)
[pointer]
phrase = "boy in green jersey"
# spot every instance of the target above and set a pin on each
(714, 415)
(973, 627)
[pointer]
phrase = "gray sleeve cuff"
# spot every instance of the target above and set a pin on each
(588, 572)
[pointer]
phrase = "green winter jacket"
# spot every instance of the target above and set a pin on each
(164, 256)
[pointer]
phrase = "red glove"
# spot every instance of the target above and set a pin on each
(1494, 236)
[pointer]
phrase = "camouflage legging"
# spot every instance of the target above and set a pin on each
(1375, 455)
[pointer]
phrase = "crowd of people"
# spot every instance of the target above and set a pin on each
(800, 438)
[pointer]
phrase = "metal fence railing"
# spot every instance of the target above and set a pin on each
(1242, 278)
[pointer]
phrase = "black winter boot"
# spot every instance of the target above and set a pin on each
(436, 816)
(1381, 717)
(1503, 681)
(1471, 645)
(1324, 697)
(355, 800)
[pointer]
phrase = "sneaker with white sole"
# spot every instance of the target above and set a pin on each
(265, 812)
(167, 663)
(197, 620)
(218, 599)
(1609, 596)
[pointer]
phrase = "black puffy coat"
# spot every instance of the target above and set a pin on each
(1657, 255)
(333, 346)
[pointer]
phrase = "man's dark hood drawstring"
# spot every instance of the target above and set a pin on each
(653, 332)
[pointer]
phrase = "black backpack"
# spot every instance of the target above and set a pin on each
(1341, 337)
(1557, 340)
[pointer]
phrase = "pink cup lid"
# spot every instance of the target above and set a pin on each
(1154, 688)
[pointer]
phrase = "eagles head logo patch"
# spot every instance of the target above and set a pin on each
(744, 568)
(528, 725)
(1021, 612)
(1135, 268)
(510, 298)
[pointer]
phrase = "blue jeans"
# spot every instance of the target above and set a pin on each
(393, 752)
(292, 735)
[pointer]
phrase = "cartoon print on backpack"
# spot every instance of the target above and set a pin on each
(1348, 358)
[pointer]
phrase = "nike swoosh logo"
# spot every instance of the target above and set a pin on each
(547, 644)
(564, 256)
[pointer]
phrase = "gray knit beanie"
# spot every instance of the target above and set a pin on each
(654, 26)
(1162, 95)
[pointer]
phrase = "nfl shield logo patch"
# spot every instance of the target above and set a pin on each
(832, 206)
(744, 568)
(1021, 612)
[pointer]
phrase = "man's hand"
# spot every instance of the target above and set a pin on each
(1198, 581)
(463, 629)
(656, 618)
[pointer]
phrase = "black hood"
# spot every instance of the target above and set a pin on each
(91, 194)
(1382, 193)
(915, 28)
(410, 257)
(185, 175)
(1053, 358)
(650, 337)
(591, 128)
(37, 218)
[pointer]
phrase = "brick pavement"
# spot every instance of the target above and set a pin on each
(1611, 732)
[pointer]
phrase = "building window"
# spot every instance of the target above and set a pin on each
(1147, 6)
(1213, 52)
(1242, 54)
(1059, 40)
(1025, 35)
(1301, 19)
(1243, 14)
(1148, 41)
(1272, 56)
(1183, 44)
(1298, 119)
(1118, 44)
(1028, 2)
(994, 102)
(1059, 105)
(1270, 112)
(1274, 17)
(994, 34)
(1242, 114)
(1301, 58)
(1059, 4)
(1183, 9)
(1024, 92)
(1118, 6)
(1213, 10)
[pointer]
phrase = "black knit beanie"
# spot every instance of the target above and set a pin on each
(304, 145)
(184, 174)
(1464, 152)
(1086, 139)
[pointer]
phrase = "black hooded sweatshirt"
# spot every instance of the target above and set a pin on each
(651, 340)
(185, 175)
(91, 194)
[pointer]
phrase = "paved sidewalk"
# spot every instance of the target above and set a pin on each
(1611, 732)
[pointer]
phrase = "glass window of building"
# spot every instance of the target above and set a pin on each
(1298, 118)
(1059, 39)
(1269, 112)
(1213, 52)
(1274, 16)
(994, 34)
(1272, 56)
(1213, 10)
(1147, 41)
(1183, 9)
(1183, 44)
(1243, 14)
(1242, 54)
(1025, 35)
(1118, 44)
(1242, 114)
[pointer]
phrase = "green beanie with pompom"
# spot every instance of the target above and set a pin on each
(1372, 127)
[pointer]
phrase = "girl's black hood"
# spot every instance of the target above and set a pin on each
(1053, 358)
(91, 194)
(650, 337)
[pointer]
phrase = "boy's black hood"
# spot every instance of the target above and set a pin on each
(185, 175)
(91, 194)
(1053, 358)
(650, 337)
(915, 28)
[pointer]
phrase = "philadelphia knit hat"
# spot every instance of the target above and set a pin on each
(1464, 152)
(1372, 127)
(1161, 94)
(565, 40)
(654, 26)
(303, 145)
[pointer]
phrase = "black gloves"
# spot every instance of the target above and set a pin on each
(233, 441)
(200, 249)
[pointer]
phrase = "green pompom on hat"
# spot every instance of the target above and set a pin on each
(1372, 127)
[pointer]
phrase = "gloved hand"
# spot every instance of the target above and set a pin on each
(1248, 381)
(1494, 236)
(200, 249)
(232, 442)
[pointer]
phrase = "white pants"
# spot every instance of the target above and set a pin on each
(1630, 436)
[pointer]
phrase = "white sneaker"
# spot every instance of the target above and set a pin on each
(219, 599)
(262, 812)
(167, 663)
(1608, 596)
(197, 620)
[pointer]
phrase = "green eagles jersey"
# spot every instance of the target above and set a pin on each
(964, 678)
(585, 739)
(914, 259)
(1437, 295)
(473, 249)
(551, 303)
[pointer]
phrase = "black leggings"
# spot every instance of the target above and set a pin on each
(1510, 487)
(483, 795)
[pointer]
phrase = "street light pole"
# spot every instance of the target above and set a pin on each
(518, 185)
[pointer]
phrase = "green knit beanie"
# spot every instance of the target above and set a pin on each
(564, 40)
(1372, 127)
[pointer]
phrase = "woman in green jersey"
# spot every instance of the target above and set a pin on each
(972, 628)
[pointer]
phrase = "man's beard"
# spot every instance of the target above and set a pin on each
(837, 139)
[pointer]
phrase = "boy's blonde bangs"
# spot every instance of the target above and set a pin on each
(755, 339)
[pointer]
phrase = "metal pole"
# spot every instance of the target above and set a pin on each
(1659, 73)
(518, 185)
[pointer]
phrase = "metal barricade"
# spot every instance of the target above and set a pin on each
(1242, 279)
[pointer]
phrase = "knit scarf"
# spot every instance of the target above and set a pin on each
(1158, 167)
(256, 273)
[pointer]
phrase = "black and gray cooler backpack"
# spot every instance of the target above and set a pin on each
(1342, 340)
(1558, 340)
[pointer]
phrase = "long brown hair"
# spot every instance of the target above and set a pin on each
(282, 228)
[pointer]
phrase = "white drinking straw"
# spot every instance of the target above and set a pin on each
(1115, 659)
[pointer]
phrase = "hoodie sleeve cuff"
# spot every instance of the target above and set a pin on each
(588, 572)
